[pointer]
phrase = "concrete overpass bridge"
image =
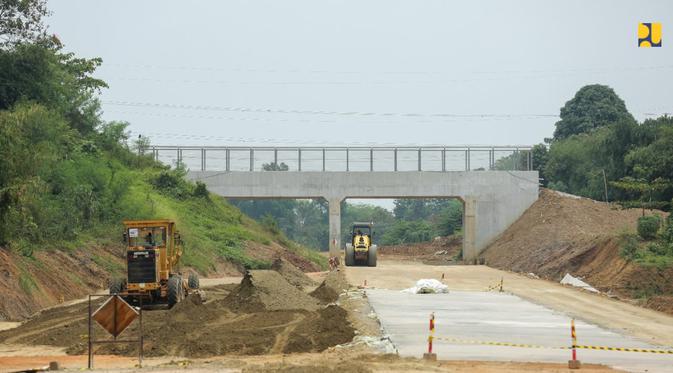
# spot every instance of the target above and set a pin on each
(496, 184)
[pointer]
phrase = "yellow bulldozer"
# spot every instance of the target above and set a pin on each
(153, 251)
(361, 250)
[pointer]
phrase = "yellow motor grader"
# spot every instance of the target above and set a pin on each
(153, 251)
(361, 250)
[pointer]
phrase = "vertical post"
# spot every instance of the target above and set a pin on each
(419, 159)
(299, 159)
(530, 160)
(491, 159)
(228, 159)
(573, 335)
(90, 364)
(371, 159)
(140, 337)
(432, 332)
(334, 206)
(574, 363)
(203, 159)
(252, 159)
(395, 158)
(605, 185)
(443, 159)
(155, 152)
(469, 165)
(275, 156)
(431, 355)
(348, 168)
(179, 156)
(516, 159)
(323, 159)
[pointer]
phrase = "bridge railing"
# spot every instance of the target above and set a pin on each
(352, 158)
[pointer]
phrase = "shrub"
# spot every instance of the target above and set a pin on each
(658, 248)
(173, 183)
(270, 224)
(629, 250)
(668, 230)
(648, 226)
(201, 191)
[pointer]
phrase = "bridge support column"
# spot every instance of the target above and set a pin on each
(334, 226)
(470, 250)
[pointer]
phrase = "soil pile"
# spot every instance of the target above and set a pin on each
(326, 328)
(561, 233)
(279, 318)
(334, 284)
(266, 290)
(291, 273)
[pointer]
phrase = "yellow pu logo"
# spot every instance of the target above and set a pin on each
(649, 35)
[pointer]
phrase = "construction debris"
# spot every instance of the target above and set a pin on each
(568, 279)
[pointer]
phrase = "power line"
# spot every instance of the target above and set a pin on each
(386, 120)
(317, 112)
(354, 72)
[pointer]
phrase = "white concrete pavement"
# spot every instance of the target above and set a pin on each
(501, 317)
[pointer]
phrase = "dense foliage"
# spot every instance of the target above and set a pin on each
(599, 151)
(68, 179)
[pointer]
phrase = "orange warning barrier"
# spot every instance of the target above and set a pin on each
(432, 332)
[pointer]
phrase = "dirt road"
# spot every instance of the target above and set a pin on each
(646, 325)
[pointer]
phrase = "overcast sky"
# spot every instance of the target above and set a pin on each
(384, 72)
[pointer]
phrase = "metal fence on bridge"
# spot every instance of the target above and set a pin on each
(353, 159)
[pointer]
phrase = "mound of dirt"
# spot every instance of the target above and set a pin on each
(334, 284)
(291, 322)
(291, 273)
(561, 233)
(326, 328)
(266, 290)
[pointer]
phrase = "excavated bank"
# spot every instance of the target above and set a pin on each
(561, 233)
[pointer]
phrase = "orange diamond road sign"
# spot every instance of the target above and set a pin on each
(115, 315)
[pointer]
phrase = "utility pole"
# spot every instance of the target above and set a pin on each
(605, 184)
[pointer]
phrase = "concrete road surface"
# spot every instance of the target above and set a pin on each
(542, 318)
(500, 317)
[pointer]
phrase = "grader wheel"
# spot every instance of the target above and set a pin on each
(175, 293)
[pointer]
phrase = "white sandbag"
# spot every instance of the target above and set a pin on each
(427, 286)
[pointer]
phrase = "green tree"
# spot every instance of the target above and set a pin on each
(59, 81)
(21, 21)
(593, 106)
